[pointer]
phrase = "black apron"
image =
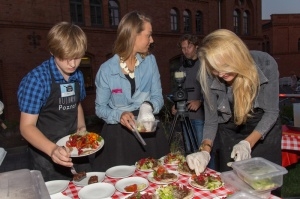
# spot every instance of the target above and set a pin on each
(58, 118)
(230, 134)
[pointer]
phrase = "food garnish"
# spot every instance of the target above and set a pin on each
(207, 181)
(84, 140)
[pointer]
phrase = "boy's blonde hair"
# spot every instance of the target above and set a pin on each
(129, 27)
(224, 51)
(67, 41)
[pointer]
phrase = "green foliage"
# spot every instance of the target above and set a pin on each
(291, 182)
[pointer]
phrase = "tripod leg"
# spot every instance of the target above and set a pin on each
(191, 134)
(172, 128)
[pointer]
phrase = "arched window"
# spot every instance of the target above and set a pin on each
(236, 24)
(199, 22)
(174, 19)
(114, 16)
(187, 21)
(96, 12)
(245, 23)
(76, 11)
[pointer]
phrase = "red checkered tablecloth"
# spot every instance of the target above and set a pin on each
(290, 139)
(72, 190)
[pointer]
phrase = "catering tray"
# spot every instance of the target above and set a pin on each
(23, 184)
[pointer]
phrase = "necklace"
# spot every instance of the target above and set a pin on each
(126, 69)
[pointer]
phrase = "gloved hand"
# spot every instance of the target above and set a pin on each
(198, 161)
(145, 113)
(1, 107)
(240, 151)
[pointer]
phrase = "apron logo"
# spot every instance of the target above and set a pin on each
(67, 90)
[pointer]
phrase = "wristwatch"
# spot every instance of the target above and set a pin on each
(203, 145)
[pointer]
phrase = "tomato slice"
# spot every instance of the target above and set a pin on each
(131, 188)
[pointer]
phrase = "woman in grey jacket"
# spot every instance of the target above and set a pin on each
(241, 101)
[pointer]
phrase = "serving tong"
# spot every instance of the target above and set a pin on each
(137, 134)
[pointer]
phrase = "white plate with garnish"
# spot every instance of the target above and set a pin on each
(121, 171)
(141, 184)
(84, 182)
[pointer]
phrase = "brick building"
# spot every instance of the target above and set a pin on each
(24, 25)
(281, 38)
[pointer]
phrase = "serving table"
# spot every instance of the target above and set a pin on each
(290, 145)
(72, 190)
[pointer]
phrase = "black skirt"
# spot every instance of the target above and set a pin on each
(122, 148)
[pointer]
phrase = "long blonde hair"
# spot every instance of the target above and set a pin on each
(224, 51)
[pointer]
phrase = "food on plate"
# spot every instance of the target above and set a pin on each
(79, 176)
(148, 163)
(135, 187)
(161, 174)
(83, 140)
(139, 195)
(206, 181)
(174, 158)
(184, 169)
(93, 179)
(174, 191)
(262, 184)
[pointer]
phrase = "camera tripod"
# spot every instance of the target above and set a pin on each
(186, 124)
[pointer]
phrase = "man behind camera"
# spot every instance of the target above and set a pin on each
(190, 65)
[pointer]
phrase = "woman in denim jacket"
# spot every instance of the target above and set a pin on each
(129, 85)
(241, 92)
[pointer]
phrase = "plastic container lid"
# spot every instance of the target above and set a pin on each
(260, 173)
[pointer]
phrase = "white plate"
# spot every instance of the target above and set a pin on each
(151, 179)
(147, 170)
(59, 196)
(204, 188)
(143, 192)
(121, 184)
(121, 171)
(84, 182)
(74, 152)
(56, 186)
(97, 191)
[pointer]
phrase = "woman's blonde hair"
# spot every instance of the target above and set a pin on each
(129, 27)
(67, 41)
(224, 51)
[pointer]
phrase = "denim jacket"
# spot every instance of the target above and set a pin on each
(267, 98)
(113, 94)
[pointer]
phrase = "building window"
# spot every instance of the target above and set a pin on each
(76, 10)
(245, 23)
(187, 21)
(199, 22)
(114, 16)
(236, 24)
(96, 12)
(86, 68)
(174, 20)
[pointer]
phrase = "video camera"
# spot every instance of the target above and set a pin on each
(180, 96)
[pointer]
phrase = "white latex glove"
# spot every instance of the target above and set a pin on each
(1, 107)
(198, 161)
(145, 113)
(240, 151)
